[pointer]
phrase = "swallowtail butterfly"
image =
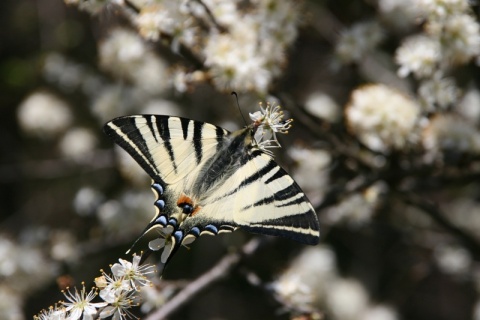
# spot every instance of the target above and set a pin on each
(208, 180)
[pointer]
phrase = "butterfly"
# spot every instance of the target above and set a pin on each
(208, 180)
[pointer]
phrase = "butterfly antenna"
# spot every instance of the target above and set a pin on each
(238, 105)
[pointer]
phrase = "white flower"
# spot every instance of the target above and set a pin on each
(460, 37)
(112, 287)
(347, 299)
(77, 143)
(87, 200)
(469, 106)
(132, 271)
(51, 314)
(379, 312)
(437, 93)
(307, 280)
(453, 259)
(357, 209)
(381, 117)
(267, 123)
(125, 55)
(419, 55)
(323, 106)
(401, 14)
(449, 132)
(44, 115)
(438, 9)
(80, 303)
(356, 42)
(11, 302)
(306, 162)
(118, 308)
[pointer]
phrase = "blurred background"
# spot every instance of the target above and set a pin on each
(385, 143)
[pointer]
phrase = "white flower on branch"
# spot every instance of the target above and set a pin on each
(438, 9)
(438, 92)
(354, 43)
(124, 54)
(43, 114)
(419, 55)
(78, 142)
(81, 303)
(382, 118)
(460, 38)
(450, 133)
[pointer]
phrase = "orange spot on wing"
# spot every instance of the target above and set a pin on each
(184, 199)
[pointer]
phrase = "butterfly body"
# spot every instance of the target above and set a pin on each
(210, 181)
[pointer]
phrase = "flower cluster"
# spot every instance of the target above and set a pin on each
(267, 123)
(242, 49)
(451, 37)
(312, 284)
(119, 292)
(382, 118)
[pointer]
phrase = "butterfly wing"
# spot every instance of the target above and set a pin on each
(167, 148)
(260, 197)
(224, 179)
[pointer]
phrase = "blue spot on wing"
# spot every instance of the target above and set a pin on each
(162, 220)
(158, 188)
(195, 231)
(160, 204)
(211, 228)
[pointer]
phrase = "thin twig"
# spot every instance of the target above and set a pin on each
(219, 271)
(470, 243)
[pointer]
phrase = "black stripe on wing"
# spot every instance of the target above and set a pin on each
(162, 126)
(124, 132)
(302, 227)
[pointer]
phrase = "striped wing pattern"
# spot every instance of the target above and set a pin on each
(210, 181)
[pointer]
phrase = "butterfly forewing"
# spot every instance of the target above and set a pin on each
(167, 148)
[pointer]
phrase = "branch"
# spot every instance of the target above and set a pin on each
(470, 243)
(219, 271)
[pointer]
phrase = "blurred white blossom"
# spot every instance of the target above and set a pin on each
(310, 161)
(400, 14)
(460, 37)
(11, 304)
(438, 9)
(358, 208)
(44, 115)
(129, 213)
(453, 260)
(418, 54)
(124, 54)
(63, 246)
(437, 93)
(449, 132)
(86, 200)
(323, 106)
(347, 299)
(304, 285)
(469, 106)
(382, 118)
(379, 312)
(357, 41)
(77, 143)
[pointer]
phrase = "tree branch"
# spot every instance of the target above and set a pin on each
(470, 243)
(219, 271)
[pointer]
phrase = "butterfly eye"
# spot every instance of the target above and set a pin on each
(187, 208)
